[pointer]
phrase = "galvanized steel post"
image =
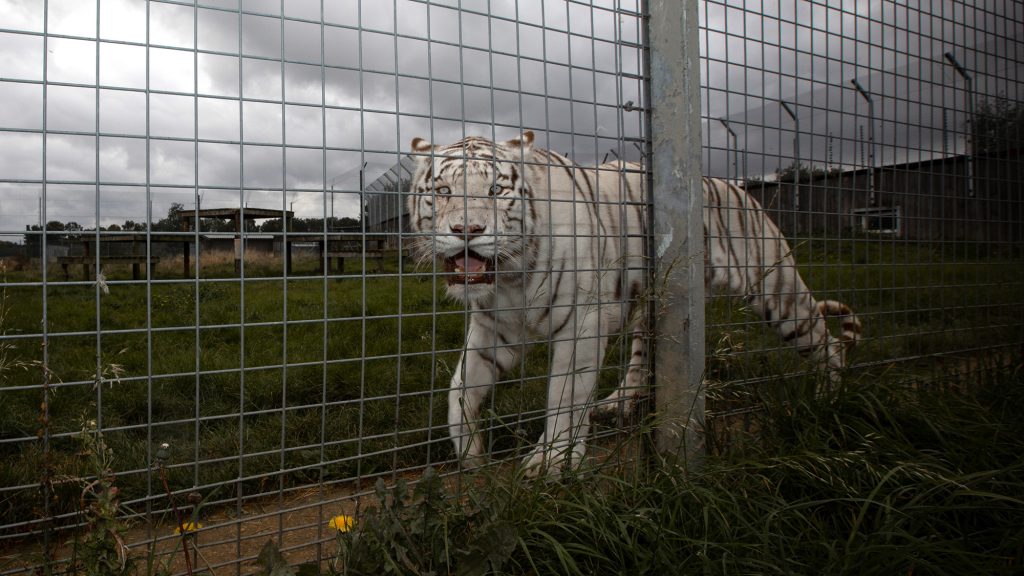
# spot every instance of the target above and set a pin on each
(678, 227)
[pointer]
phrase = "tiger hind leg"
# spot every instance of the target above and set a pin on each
(831, 354)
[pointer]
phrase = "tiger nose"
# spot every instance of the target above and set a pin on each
(474, 229)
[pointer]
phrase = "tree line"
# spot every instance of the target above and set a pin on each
(60, 232)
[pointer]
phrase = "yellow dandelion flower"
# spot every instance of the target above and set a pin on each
(188, 528)
(342, 523)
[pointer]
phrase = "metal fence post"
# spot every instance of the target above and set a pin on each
(678, 227)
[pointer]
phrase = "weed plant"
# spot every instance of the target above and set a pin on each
(102, 551)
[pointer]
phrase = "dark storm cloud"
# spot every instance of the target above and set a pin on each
(447, 61)
(808, 56)
(548, 66)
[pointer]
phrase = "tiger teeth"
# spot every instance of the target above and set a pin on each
(460, 269)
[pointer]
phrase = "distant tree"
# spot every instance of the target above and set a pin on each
(998, 126)
(311, 225)
(753, 183)
(343, 223)
(216, 225)
(307, 225)
(173, 220)
(271, 225)
(114, 228)
(32, 237)
(808, 172)
(56, 226)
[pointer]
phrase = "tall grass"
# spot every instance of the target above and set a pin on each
(876, 478)
(347, 375)
(364, 375)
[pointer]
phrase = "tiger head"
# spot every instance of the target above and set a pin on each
(472, 207)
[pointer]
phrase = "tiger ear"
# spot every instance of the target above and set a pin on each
(525, 141)
(421, 145)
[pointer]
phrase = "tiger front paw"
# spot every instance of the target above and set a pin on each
(624, 406)
(552, 462)
(470, 462)
(536, 463)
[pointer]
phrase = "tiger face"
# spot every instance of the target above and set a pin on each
(471, 204)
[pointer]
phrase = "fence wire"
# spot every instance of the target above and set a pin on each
(884, 140)
(209, 297)
(209, 268)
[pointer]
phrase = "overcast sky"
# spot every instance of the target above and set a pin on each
(223, 111)
(807, 53)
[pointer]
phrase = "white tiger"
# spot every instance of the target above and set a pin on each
(538, 247)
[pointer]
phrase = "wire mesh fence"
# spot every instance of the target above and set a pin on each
(883, 139)
(207, 253)
(226, 261)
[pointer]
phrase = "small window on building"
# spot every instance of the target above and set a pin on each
(879, 220)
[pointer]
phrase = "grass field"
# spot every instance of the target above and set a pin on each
(276, 382)
(881, 479)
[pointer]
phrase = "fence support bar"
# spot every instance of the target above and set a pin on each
(674, 63)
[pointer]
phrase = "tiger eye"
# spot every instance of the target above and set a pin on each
(496, 189)
(442, 190)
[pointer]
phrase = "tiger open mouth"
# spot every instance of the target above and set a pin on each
(469, 268)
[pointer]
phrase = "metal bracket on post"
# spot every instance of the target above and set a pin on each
(678, 241)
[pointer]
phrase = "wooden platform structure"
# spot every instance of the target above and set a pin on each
(87, 262)
(333, 248)
(189, 221)
(133, 252)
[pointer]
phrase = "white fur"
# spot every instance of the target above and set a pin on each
(545, 233)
